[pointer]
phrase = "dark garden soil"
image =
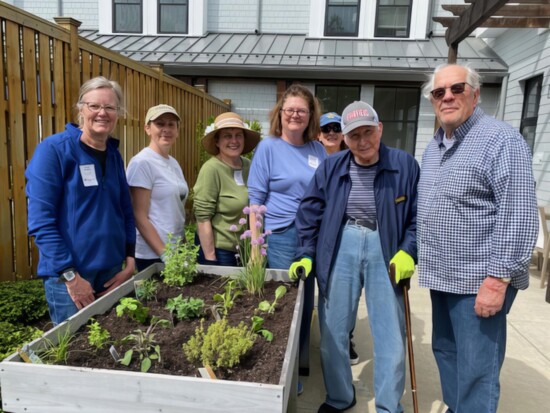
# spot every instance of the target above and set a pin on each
(262, 364)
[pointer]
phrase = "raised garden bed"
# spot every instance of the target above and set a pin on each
(42, 388)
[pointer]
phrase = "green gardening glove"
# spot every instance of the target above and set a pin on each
(404, 266)
(300, 269)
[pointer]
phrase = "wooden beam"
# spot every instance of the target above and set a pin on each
(528, 10)
(500, 22)
(471, 19)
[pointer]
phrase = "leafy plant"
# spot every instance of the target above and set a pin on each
(180, 266)
(22, 302)
(269, 308)
(98, 337)
(227, 299)
(133, 308)
(252, 251)
(185, 308)
(57, 353)
(144, 345)
(146, 290)
(258, 328)
(221, 346)
(13, 336)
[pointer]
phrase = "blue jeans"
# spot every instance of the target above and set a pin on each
(143, 263)
(223, 257)
(60, 304)
(360, 264)
(281, 252)
(469, 351)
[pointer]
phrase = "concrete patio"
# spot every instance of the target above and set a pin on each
(525, 377)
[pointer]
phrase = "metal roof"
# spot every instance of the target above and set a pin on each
(294, 55)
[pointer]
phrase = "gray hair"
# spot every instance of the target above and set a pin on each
(472, 78)
(100, 82)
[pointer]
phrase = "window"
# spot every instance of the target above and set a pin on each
(342, 18)
(530, 113)
(127, 16)
(393, 18)
(336, 98)
(172, 16)
(397, 108)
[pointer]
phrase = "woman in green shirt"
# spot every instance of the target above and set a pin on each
(220, 193)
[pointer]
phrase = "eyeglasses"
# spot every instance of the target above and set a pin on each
(335, 127)
(456, 89)
(290, 112)
(96, 107)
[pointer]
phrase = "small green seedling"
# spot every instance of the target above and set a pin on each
(133, 308)
(98, 337)
(266, 307)
(57, 353)
(144, 345)
(146, 290)
(180, 266)
(185, 308)
(227, 299)
(258, 328)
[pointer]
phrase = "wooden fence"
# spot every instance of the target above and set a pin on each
(42, 66)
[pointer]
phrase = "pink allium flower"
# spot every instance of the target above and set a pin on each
(261, 241)
(254, 242)
(246, 210)
(247, 233)
(262, 209)
(263, 252)
(258, 224)
(242, 221)
(242, 237)
(233, 228)
(267, 232)
(255, 209)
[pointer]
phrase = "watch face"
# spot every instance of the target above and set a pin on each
(69, 275)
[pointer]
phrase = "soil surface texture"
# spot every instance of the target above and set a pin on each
(262, 364)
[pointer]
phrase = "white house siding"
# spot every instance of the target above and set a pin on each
(527, 52)
(287, 16)
(251, 99)
(235, 16)
(83, 10)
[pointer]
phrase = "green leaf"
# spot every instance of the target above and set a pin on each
(145, 365)
(268, 335)
(280, 291)
(127, 358)
(264, 306)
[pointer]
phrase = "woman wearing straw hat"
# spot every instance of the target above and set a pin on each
(220, 193)
(158, 187)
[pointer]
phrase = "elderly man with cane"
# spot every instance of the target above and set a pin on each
(358, 217)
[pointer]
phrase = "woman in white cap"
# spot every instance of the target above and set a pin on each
(158, 187)
(220, 193)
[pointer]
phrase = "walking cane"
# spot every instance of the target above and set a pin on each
(406, 283)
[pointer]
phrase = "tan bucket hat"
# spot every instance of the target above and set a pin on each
(229, 120)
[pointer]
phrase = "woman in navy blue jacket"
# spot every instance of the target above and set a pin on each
(79, 206)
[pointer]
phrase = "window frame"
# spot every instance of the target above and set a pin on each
(376, 20)
(529, 121)
(114, 8)
(159, 7)
(326, 32)
(318, 86)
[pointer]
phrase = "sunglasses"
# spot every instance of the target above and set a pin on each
(456, 89)
(335, 127)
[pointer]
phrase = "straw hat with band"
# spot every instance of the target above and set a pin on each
(229, 120)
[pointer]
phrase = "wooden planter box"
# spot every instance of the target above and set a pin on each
(42, 388)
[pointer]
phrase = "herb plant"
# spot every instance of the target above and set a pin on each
(227, 299)
(221, 346)
(146, 290)
(252, 250)
(57, 353)
(180, 266)
(258, 328)
(185, 308)
(144, 345)
(133, 308)
(268, 307)
(98, 337)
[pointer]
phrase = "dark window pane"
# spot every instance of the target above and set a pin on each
(393, 18)
(127, 16)
(342, 18)
(173, 16)
(530, 112)
(397, 109)
(336, 98)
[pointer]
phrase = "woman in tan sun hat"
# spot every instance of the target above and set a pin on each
(158, 187)
(220, 193)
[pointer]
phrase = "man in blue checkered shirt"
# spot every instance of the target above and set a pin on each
(476, 228)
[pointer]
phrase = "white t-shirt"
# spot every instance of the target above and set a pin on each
(169, 190)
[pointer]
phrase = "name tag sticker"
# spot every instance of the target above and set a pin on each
(238, 176)
(400, 199)
(88, 175)
(313, 161)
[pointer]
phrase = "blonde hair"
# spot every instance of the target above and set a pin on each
(100, 82)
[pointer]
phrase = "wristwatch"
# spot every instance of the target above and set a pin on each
(505, 280)
(68, 275)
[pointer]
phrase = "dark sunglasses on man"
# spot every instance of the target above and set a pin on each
(335, 127)
(456, 89)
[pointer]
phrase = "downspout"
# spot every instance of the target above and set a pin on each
(502, 99)
(60, 8)
(258, 29)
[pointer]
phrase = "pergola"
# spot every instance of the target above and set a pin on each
(526, 14)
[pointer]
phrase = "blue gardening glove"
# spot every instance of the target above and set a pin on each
(404, 266)
(300, 269)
